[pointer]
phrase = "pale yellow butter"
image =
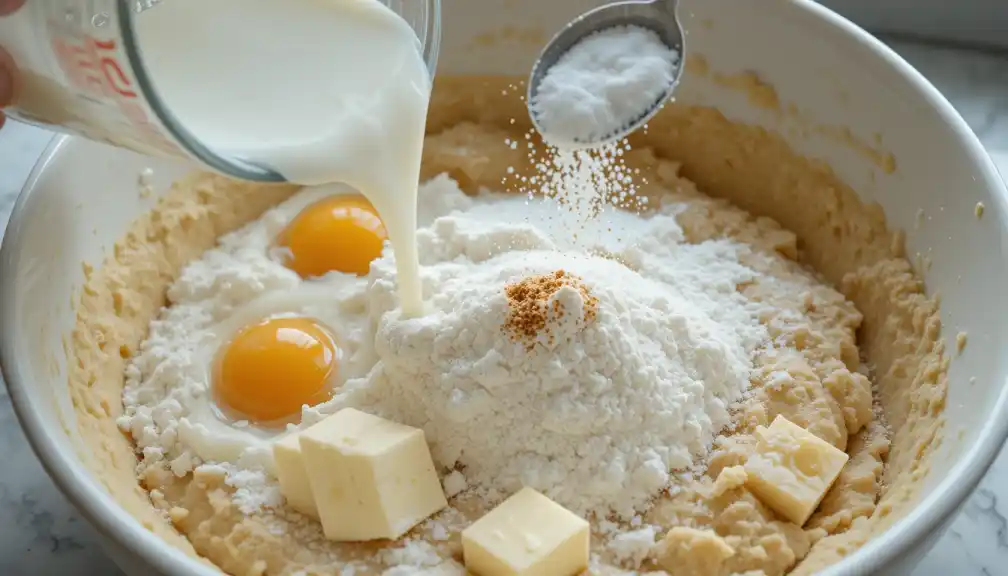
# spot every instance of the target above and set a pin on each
(527, 535)
(371, 478)
(792, 469)
(293, 475)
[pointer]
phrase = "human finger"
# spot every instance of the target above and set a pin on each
(6, 82)
(10, 6)
(6, 78)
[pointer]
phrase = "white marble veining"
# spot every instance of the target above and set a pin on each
(40, 533)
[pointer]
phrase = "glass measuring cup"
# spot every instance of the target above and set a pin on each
(80, 71)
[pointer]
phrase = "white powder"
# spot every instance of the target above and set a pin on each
(633, 547)
(447, 568)
(167, 402)
(604, 83)
(438, 532)
(412, 555)
(597, 423)
(589, 186)
(592, 190)
(253, 489)
(454, 484)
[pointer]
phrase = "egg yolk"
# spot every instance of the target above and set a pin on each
(271, 369)
(341, 233)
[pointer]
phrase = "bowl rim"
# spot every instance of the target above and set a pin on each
(76, 482)
(72, 477)
(932, 512)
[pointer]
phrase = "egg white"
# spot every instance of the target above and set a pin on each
(168, 396)
(209, 430)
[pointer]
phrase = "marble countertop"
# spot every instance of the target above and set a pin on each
(41, 533)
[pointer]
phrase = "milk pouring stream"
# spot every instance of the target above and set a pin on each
(342, 99)
(312, 91)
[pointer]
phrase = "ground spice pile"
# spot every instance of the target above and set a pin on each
(530, 311)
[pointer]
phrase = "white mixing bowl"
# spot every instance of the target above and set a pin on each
(82, 196)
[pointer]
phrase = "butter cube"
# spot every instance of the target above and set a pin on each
(792, 469)
(527, 535)
(293, 475)
(371, 478)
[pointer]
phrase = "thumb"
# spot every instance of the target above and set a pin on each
(6, 78)
(8, 7)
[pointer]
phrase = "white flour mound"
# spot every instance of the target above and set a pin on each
(596, 421)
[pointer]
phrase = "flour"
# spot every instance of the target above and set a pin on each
(603, 83)
(591, 190)
(596, 423)
(632, 547)
(599, 418)
(168, 408)
(412, 554)
(254, 489)
(454, 483)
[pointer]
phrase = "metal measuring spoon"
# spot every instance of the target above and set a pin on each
(658, 16)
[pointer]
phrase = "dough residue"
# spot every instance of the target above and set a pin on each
(868, 328)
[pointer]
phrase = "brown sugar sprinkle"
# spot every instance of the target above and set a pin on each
(529, 311)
